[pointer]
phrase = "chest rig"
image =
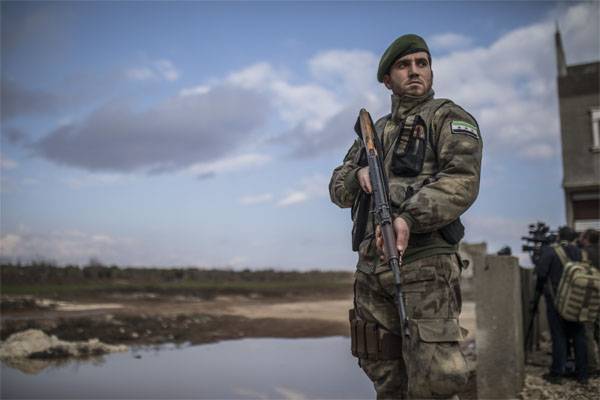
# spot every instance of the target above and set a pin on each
(405, 141)
(410, 162)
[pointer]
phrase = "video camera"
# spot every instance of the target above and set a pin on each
(540, 235)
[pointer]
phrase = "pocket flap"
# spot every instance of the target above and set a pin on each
(419, 274)
(439, 330)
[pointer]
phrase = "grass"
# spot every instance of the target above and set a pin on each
(185, 287)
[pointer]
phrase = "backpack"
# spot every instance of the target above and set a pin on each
(578, 295)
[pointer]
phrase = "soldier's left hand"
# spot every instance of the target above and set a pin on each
(402, 232)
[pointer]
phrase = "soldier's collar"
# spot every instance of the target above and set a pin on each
(402, 105)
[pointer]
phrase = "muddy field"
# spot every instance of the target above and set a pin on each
(151, 319)
(142, 317)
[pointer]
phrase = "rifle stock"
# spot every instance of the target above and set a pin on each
(382, 212)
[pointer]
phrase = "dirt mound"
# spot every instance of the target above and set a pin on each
(34, 343)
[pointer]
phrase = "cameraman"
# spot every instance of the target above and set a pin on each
(549, 270)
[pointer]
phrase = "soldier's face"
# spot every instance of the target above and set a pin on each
(410, 75)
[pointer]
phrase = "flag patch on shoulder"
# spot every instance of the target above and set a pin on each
(465, 128)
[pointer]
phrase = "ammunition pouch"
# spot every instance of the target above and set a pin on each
(373, 342)
(409, 152)
(453, 232)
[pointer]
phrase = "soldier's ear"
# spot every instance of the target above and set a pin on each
(387, 81)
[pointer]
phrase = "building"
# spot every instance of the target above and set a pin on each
(579, 105)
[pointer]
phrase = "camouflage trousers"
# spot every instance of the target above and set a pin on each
(432, 364)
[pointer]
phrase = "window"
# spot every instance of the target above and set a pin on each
(595, 129)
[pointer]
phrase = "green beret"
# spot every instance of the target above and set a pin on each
(405, 44)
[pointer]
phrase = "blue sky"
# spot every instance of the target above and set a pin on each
(204, 134)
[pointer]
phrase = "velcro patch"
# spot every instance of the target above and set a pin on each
(465, 128)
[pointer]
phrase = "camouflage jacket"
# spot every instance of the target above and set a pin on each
(434, 187)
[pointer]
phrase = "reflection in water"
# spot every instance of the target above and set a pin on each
(243, 369)
(34, 366)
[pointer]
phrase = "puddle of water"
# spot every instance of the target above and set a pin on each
(243, 369)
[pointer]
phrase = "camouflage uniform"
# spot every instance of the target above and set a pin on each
(432, 365)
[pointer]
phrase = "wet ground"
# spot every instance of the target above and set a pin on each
(145, 319)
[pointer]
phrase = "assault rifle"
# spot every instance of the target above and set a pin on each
(383, 217)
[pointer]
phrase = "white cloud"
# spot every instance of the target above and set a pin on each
(310, 187)
(350, 72)
(159, 69)
(237, 261)
(308, 104)
(140, 74)
(450, 41)
(66, 246)
(167, 70)
(256, 199)
(228, 164)
(9, 244)
(294, 197)
(311, 105)
(256, 76)
(289, 394)
(195, 91)
(7, 163)
(510, 86)
(541, 151)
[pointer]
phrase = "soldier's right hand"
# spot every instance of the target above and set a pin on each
(364, 180)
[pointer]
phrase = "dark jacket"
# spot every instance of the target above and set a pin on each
(593, 255)
(550, 268)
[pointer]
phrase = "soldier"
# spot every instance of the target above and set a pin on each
(432, 159)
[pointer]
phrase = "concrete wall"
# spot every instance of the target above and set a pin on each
(474, 253)
(499, 338)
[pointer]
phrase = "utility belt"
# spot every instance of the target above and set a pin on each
(451, 233)
(373, 342)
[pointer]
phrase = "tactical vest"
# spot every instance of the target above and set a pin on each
(410, 162)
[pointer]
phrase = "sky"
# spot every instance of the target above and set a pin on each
(204, 133)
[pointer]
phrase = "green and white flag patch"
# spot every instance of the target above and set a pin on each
(465, 128)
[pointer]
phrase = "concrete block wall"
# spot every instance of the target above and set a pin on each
(500, 336)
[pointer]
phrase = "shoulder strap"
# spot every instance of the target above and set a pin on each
(584, 255)
(404, 137)
(560, 252)
(380, 125)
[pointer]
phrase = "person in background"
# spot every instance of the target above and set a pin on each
(549, 270)
(588, 243)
